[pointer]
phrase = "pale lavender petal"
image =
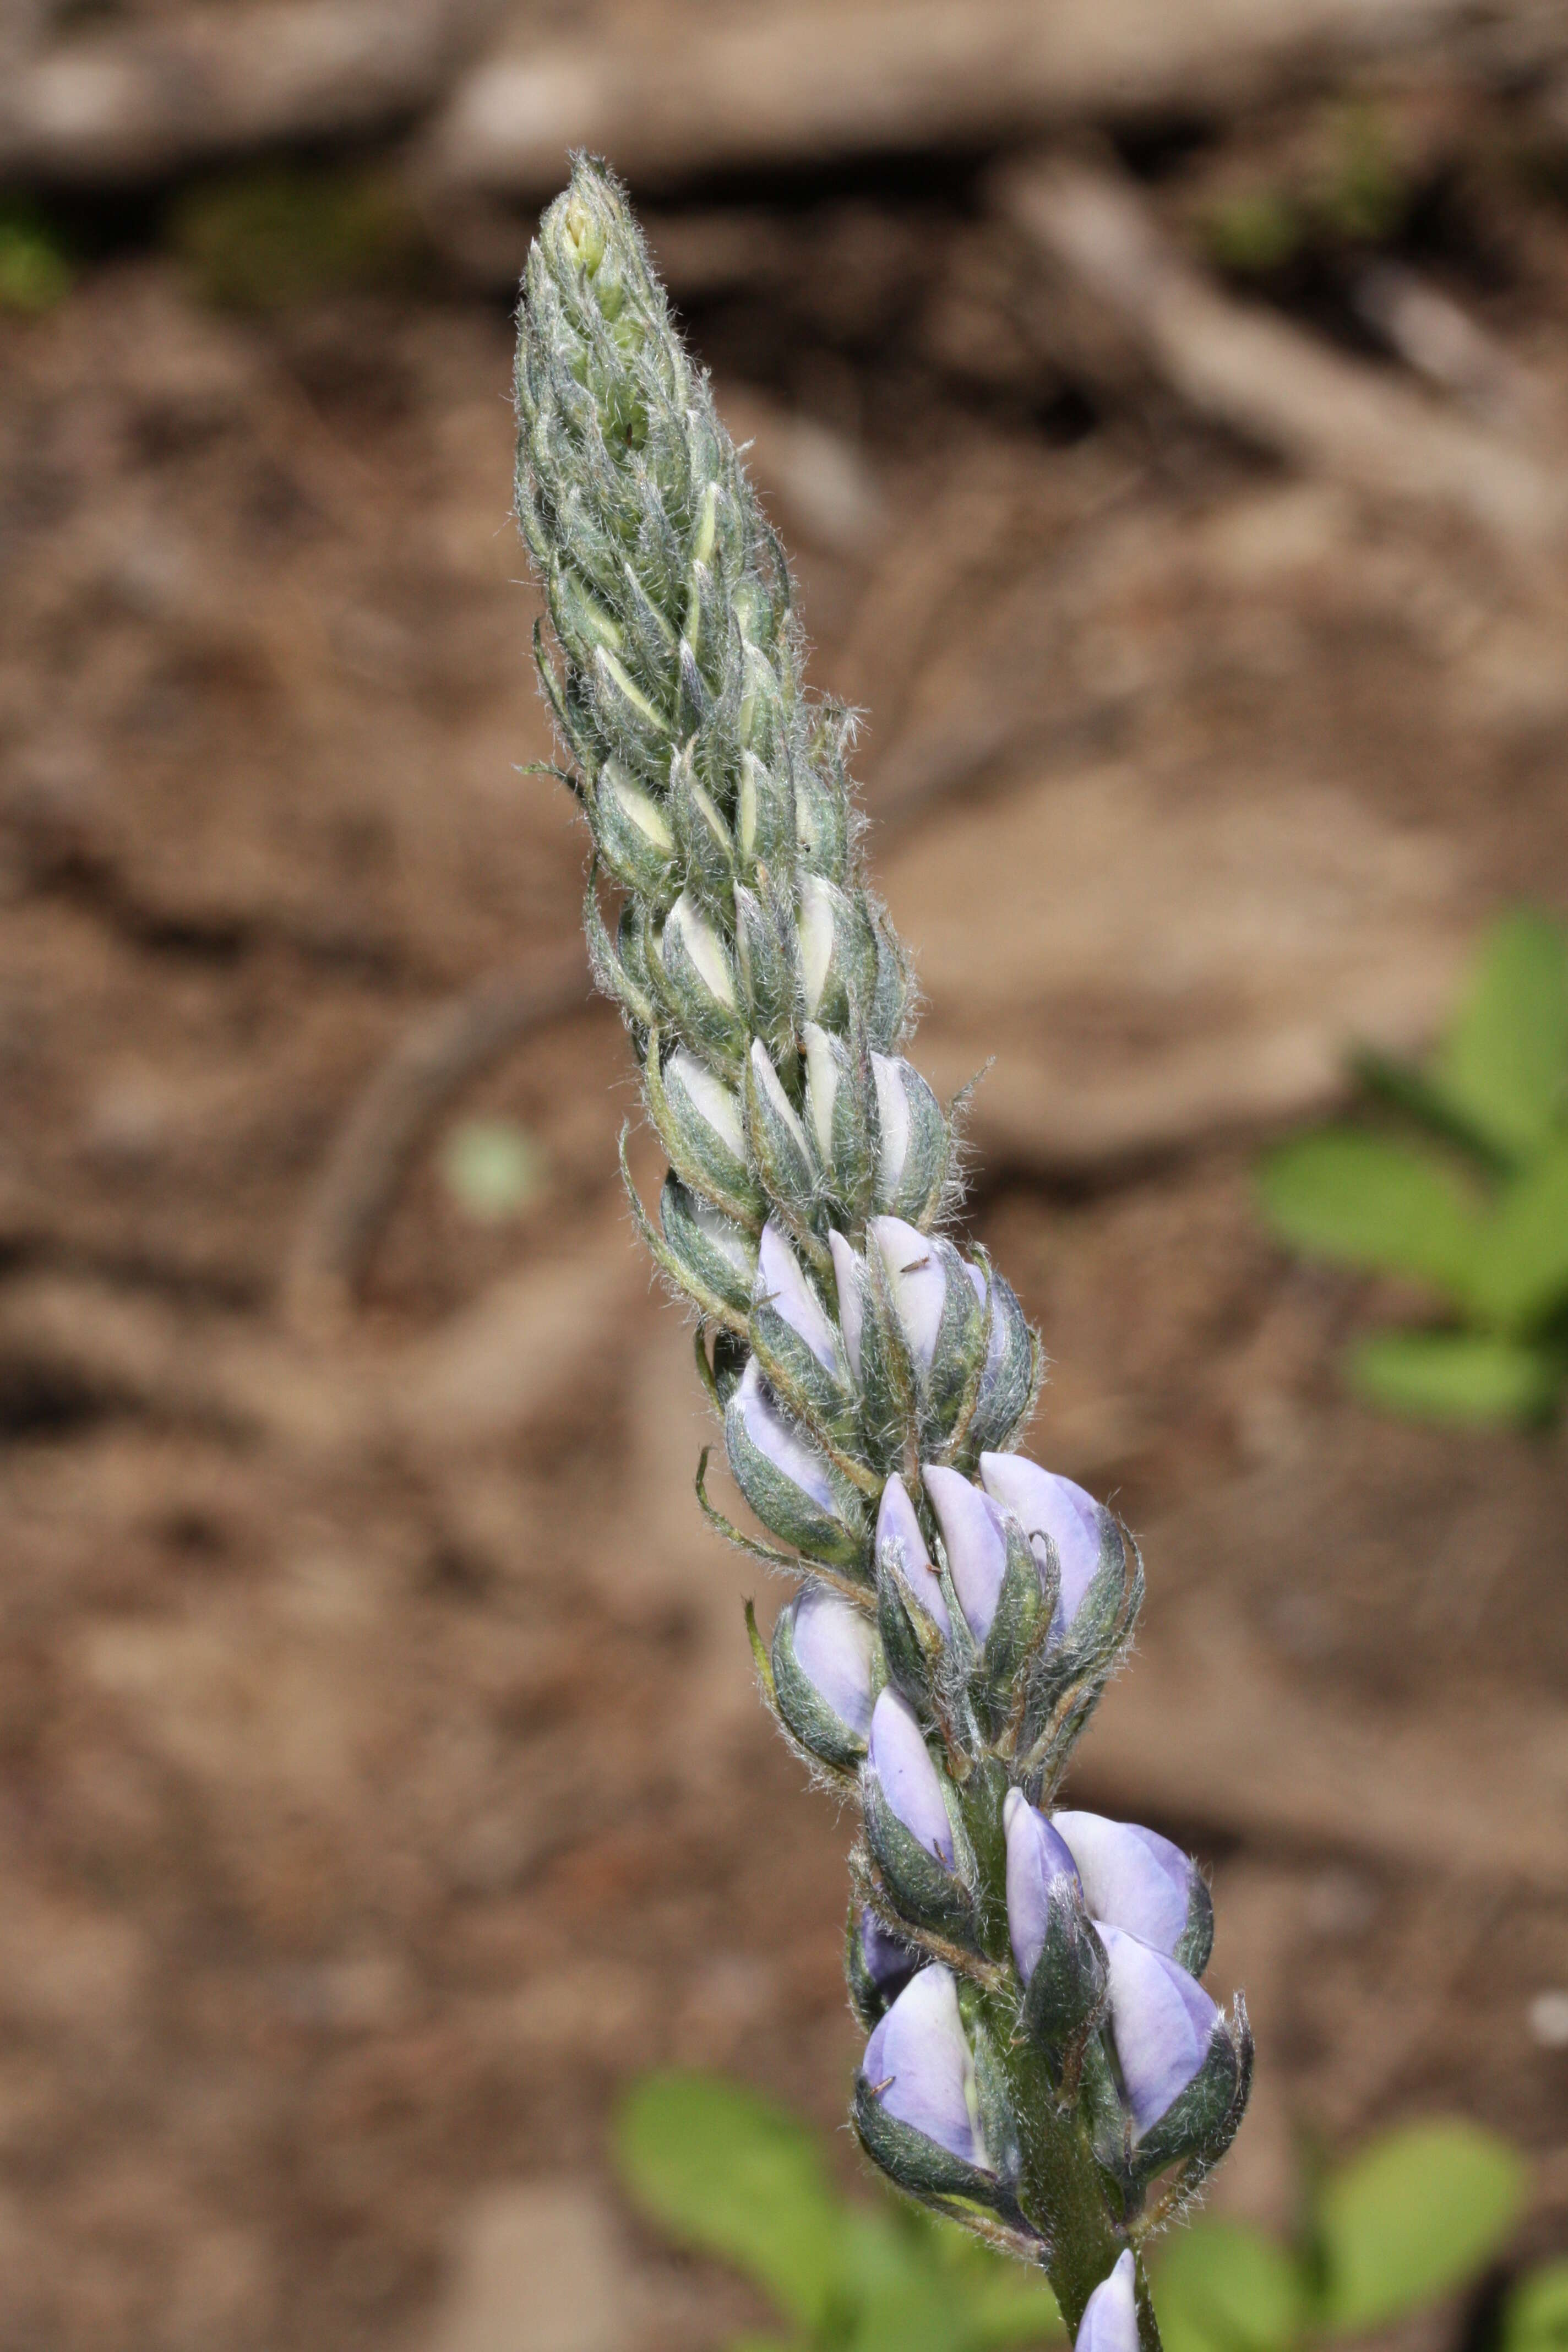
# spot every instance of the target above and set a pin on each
(782, 1283)
(1045, 1504)
(776, 1439)
(1131, 1877)
(835, 1645)
(909, 1780)
(917, 2063)
(976, 1546)
(1037, 1860)
(1110, 2322)
(1161, 2019)
(897, 1525)
(848, 1267)
(918, 1282)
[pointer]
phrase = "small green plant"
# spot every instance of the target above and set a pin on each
(1535, 2315)
(1463, 1191)
(1418, 2214)
(34, 273)
(726, 2172)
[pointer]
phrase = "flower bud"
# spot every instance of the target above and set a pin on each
(821, 825)
(824, 1659)
(1162, 2022)
(777, 1139)
(719, 1257)
(1053, 1508)
(1060, 1956)
(919, 2067)
(792, 1488)
(909, 1784)
(706, 849)
(765, 809)
(1007, 1382)
(878, 1965)
(701, 1126)
(837, 953)
(624, 711)
(917, 1283)
(1110, 2322)
(912, 1141)
(835, 1114)
(1135, 1879)
(975, 1542)
(899, 1537)
(889, 1962)
(696, 980)
(768, 972)
(797, 1345)
(850, 1273)
(632, 834)
(1039, 1863)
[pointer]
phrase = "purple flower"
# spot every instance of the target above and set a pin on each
(917, 1280)
(898, 1527)
(776, 1440)
(1039, 1871)
(890, 1961)
(787, 1290)
(919, 2066)
(1161, 2021)
(975, 1542)
(1045, 1504)
(835, 1645)
(1131, 1877)
(848, 1269)
(910, 1781)
(1110, 2322)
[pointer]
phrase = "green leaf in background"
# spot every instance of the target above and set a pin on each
(1505, 1061)
(1420, 2211)
(1220, 2286)
(724, 2170)
(1456, 1376)
(1535, 2318)
(492, 1169)
(1521, 1275)
(1367, 1202)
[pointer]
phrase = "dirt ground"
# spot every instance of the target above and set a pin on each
(380, 1781)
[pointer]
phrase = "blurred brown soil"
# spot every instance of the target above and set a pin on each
(378, 1792)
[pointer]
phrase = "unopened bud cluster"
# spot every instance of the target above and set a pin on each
(1041, 2052)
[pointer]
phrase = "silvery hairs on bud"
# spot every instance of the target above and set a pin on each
(1042, 2062)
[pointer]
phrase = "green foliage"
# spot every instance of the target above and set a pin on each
(1412, 2217)
(1535, 2318)
(727, 2173)
(1421, 2212)
(35, 273)
(264, 239)
(1470, 1201)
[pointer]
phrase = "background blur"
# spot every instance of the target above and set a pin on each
(1166, 404)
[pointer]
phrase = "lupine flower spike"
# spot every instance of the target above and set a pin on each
(1042, 2060)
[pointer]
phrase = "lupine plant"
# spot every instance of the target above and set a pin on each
(1042, 2062)
(1462, 1192)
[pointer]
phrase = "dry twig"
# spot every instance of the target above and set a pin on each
(372, 1149)
(1264, 378)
